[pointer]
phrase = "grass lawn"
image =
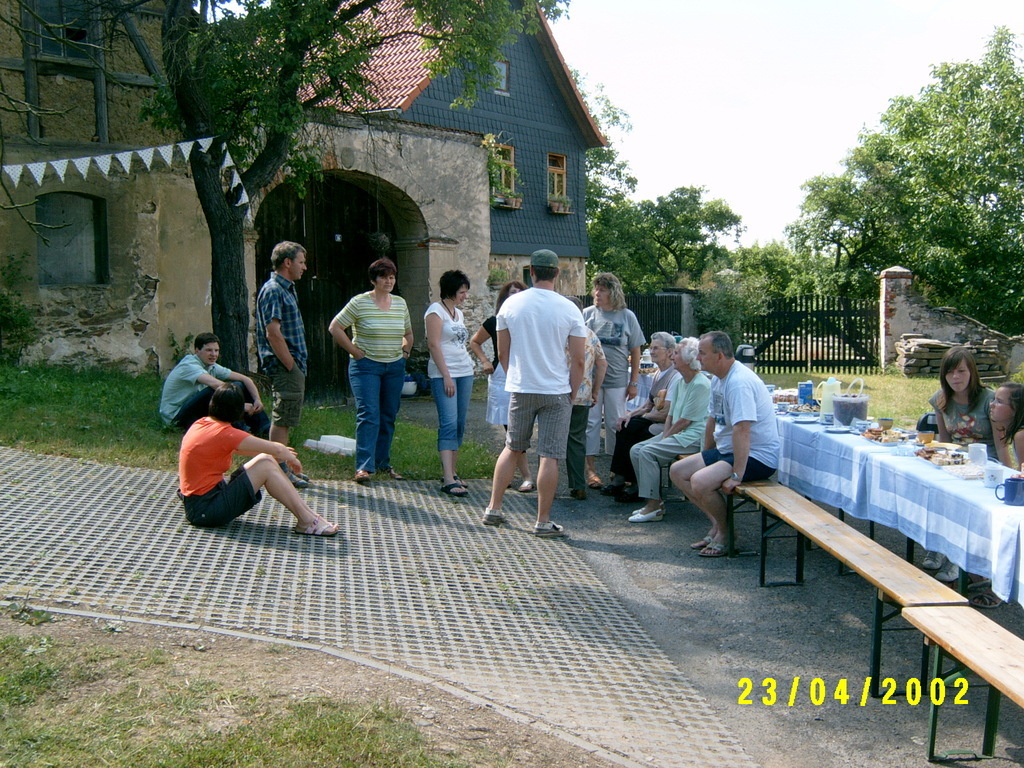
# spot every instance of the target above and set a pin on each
(111, 417)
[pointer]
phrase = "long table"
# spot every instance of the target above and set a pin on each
(959, 518)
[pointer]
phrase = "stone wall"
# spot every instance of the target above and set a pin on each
(913, 332)
(918, 355)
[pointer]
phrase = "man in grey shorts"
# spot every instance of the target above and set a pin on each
(281, 343)
(535, 327)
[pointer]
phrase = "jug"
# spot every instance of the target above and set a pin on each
(829, 389)
(849, 407)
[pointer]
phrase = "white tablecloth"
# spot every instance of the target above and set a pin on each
(959, 518)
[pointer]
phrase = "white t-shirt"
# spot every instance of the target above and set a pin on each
(539, 322)
(454, 336)
(742, 396)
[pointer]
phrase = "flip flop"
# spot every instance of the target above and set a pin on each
(987, 600)
(714, 549)
(454, 489)
(702, 543)
(527, 486)
(319, 527)
(595, 483)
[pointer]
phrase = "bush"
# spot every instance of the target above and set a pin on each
(17, 326)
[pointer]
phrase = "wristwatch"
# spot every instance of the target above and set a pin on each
(734, 476)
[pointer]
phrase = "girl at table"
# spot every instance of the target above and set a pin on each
(962, 402)
(962, 415)
(1007, 416)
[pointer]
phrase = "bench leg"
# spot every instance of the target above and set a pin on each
(734, 504)
(767, 528)
(992, 710)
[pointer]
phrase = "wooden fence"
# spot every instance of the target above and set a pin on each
(804, 333)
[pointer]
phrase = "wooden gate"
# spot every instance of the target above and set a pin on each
(828, 333)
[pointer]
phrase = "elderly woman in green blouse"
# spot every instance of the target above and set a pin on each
(378, 348)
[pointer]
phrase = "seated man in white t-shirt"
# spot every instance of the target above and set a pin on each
(190, 385)
(741, 439)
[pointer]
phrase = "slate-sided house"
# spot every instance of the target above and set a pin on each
(407, 179)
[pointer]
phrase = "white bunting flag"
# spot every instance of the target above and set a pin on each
(60, 167)
(186, 149)
(228, 162)
(146, 155)
(82, 164)
(14, 173)
(125, 159)
(166, 152)
(103, 163)
(38, 170)
(204, 144)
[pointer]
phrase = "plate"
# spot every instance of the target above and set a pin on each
(806, 419)
(837, 429)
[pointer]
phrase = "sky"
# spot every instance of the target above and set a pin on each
(751, 98)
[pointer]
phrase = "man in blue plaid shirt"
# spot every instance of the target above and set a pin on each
(281, 343)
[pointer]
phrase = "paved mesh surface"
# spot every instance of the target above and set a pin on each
(412, 579)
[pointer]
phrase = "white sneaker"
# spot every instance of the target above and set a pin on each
(949, 572)
(933, 561)
(639, 516)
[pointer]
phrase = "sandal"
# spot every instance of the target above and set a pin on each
(715, 548)
(391, 472)
(979, 584)
(594, 482)
(362, 476)
(987, 599)
(454, 489)
(460, 481)
(702, 543)
(527, 486)
(319, 527)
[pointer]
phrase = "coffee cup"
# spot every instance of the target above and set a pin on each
(925, 437)
(993, 475)
(978, 454)
(1013, 491)
(885, 424)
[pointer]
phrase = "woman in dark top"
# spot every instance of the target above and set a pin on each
(497, 397)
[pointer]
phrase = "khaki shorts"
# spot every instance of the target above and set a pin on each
(551, 412)
(289, 388)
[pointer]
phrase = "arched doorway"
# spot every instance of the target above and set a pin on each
(344, 228)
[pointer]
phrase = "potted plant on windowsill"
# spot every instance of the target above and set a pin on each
(497, 278)
(560, 204)
(512, 201)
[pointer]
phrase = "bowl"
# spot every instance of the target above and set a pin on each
(885, 424)
(925, 437)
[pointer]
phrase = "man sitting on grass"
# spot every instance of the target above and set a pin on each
(190, 385)
(206, 452)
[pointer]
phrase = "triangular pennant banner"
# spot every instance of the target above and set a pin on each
(14, 173)
(60, 167)
(103, 163)
(166, 152)
(186, 149)
(204, 144)
(243, 199)
(37, 170)
(82, 164)
(228, 162)
(146, 155)
(125, 159)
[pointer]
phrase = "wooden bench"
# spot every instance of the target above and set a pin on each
(975, 643)
(895, 580)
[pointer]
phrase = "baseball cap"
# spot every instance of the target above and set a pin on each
(544, 258)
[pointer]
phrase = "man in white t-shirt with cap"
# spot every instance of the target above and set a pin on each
(535, 328)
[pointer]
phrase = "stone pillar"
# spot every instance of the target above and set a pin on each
(895, 288)
(420, 265)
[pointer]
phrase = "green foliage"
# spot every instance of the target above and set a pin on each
(17, 321)
(727, 298)
(108, 416)
(937, 189)
(668, 241)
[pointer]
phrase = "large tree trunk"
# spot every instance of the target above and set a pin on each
(228, 290)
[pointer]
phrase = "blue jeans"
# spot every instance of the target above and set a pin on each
(378, 391)
(451, 411)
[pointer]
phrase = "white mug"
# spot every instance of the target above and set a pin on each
(978, 454)
(993, 475)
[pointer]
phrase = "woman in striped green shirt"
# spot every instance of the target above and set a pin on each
(378, 348)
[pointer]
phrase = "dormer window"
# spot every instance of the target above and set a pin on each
(502, 69)
(66, 28)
